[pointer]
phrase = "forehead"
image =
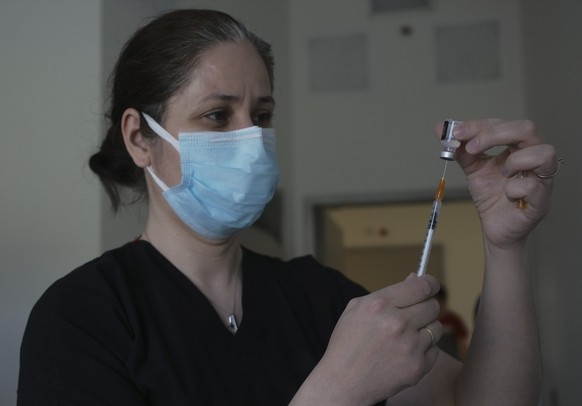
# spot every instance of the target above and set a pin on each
(229, 67)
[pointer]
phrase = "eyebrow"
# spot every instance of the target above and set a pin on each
(230, 98)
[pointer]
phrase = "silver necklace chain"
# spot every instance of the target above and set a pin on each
(231, 321)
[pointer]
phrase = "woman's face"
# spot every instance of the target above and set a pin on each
(228, 90)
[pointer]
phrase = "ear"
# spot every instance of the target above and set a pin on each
(138, 146)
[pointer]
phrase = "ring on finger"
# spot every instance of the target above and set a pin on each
(553, 174)
(432, 340)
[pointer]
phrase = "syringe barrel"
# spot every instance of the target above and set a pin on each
(434, 215)
(432, 223)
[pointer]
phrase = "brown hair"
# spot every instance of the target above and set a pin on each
(157, 61)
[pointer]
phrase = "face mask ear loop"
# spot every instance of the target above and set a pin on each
(161, 131)
(158, 181)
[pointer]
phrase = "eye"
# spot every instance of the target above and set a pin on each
(220, 116)
(263, 119)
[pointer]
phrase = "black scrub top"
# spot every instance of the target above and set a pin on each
(128, 328)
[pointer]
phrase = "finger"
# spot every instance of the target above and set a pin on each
(541, 159)
(482, 135)
(428, 338)
(410, 291)
(528, 188)
(421, 314)
(465, 130)
(519, 188)
(434, 332)
(432, 355)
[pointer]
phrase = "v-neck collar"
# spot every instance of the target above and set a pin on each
(202, 307)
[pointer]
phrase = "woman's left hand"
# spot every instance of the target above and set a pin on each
(498, 182)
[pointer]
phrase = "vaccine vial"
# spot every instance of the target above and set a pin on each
(449, 143)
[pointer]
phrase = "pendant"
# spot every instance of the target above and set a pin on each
(232, 325)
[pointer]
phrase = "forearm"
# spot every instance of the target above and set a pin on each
(503, 365)
(320, 390)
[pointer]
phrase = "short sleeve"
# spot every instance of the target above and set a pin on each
(74, 348)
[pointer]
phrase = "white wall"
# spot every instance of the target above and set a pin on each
(554, 89)
(50, 79)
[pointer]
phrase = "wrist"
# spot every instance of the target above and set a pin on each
(504, 247)
(323, 388)
(317, 393)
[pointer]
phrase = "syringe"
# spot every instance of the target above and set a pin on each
(432, 223)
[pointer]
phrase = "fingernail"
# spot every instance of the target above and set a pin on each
(459, 131)
(472, 145)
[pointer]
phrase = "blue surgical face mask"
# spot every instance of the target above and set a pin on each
(227, 178)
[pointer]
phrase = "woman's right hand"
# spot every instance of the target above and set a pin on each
(379, 346)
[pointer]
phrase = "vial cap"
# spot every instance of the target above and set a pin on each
(448, 155)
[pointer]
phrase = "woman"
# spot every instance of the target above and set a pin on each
(184, 315)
